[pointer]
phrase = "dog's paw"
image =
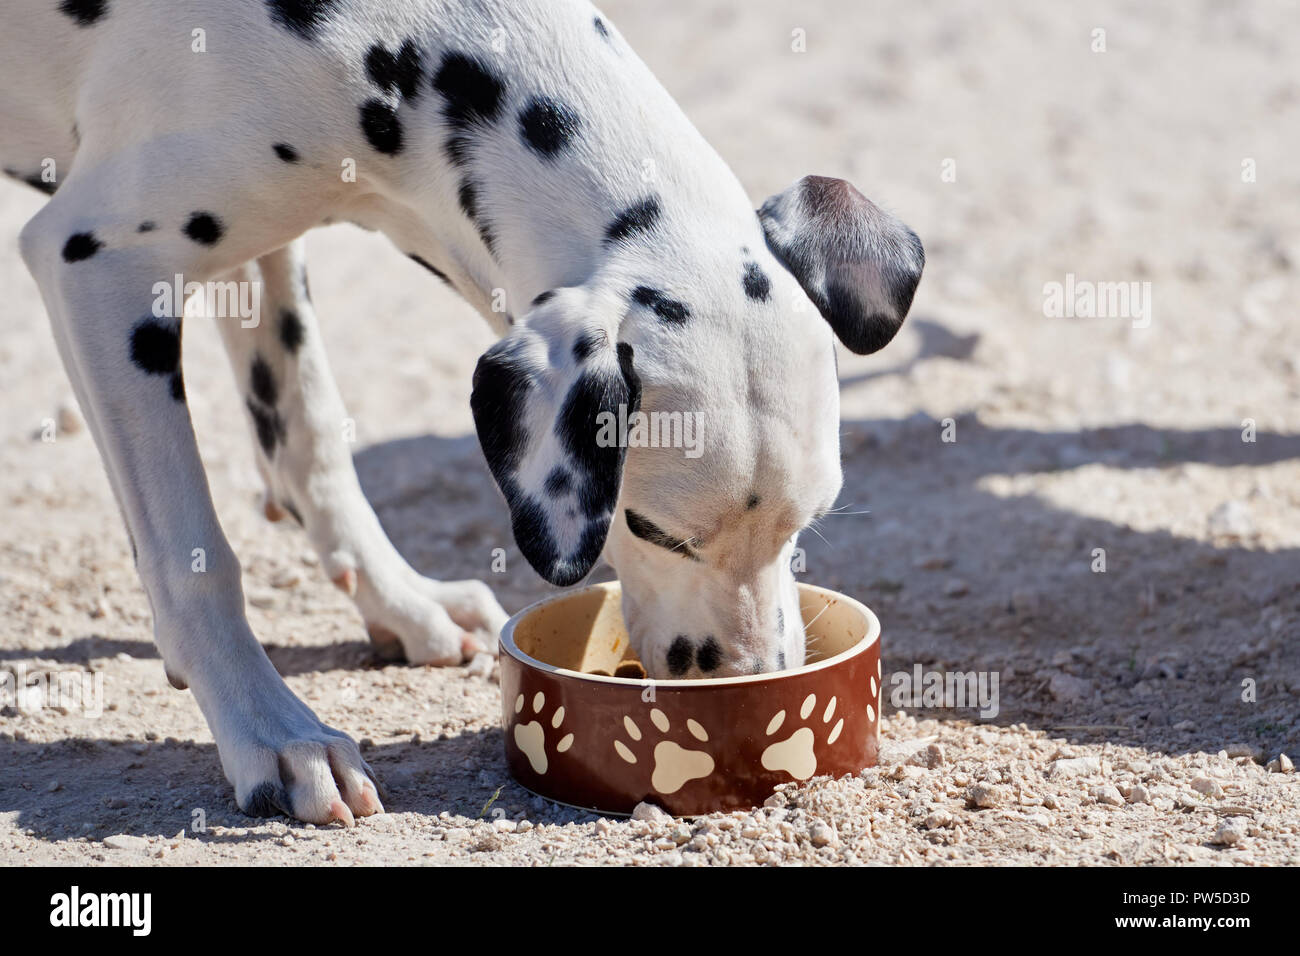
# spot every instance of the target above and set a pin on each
(423, 621)
(795, 754)
(307, 771)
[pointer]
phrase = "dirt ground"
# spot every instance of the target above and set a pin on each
(1143, 710)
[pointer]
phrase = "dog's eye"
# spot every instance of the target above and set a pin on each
(647, 530)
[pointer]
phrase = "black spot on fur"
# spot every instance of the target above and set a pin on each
(680, 656)
(472, 91)
(85, 12)
(398, 72)
(147, 226)
(291, 331)
(594, 392)
(178, 386)
(645, 529)
(267, 800)
(286, 152)
(587, 343)
(547, 125)
(757, 285)
(780, 660)
(469, 204)
(670, 310)
(205, 228)
(503, 383)
(262, 381)
(302, 17)
(269, 426)
(156, 346)
(432, 268)
(709, 655)
(603, 30)
(637, 219)
(780, 620)
(558, 482)
(545, 297)
(382, 127)
(501, 386)
(81, 246)
(752, 502)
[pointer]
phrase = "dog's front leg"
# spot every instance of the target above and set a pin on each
(97, 267)
(298, 423)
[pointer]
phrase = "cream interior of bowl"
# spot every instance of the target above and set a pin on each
(584, 631)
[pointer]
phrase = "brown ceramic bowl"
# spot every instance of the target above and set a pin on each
(691, 746)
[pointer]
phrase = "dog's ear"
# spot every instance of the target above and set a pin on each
(541, 401)
(859, 264)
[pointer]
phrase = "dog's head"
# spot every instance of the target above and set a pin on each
(681, 415)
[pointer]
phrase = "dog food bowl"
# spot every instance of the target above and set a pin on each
(607, 743)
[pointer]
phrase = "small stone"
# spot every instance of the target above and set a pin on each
(1107, 794)
(54, 785)
(1067, 687)
(125, 841)
(1244, 750)
(525, 826)
(1074, 767)
(1139, 794)
(680, 834)
(1023, 601)
(286, 578)
(261, 599)
(504, 826)
(939, 819)
(649, 813)
(956, 588)
(822, 834)
(1230, 832)
(983, 796)
(1207, 786)
(1232, 519)
(100, 609)
(1281, 764)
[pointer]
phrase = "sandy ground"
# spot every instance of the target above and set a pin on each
(1128, 730)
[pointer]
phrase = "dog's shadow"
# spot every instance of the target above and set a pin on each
(186, 791)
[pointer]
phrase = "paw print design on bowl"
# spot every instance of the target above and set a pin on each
(795, 753)
(674, 765)
(531, 737)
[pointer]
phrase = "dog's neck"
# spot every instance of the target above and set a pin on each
(616, 188)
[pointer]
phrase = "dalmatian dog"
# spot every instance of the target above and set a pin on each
(522, 153)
